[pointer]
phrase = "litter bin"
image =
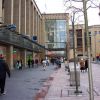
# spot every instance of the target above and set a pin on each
(72, 76)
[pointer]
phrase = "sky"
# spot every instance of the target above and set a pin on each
(57, 6)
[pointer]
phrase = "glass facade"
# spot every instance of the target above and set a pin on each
(56, 34)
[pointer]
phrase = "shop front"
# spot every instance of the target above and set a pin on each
(3, 51)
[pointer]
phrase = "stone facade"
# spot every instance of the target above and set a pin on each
(94, 36)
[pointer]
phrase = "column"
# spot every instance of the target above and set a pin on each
(27, 17)
(36, 25)
(8, 12)
(0, 11)
(19, 28)
(23, 16)
(16, 16)
(31, 19)
(34, 21)
(11, 57)
(25, 61)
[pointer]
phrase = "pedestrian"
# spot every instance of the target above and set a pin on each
(3, 70)
(32, 61)
(36, 62)
(44, 64)
(67, 65)
(47, 62)
(19, 64)
(29, 62)
(86, 65)
(82, 65)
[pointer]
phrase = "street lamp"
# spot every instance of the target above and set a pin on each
(88, 49)
(74, 50)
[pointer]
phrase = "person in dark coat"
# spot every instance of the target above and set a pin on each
(36, 62)
(3, 70)
(86, 65)
(29, 62)
(32, 61)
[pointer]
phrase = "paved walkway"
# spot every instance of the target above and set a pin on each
(60, 88)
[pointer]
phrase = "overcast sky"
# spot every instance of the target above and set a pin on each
(56, 6)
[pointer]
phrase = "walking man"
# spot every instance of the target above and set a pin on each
(44, 64)
(3, 70)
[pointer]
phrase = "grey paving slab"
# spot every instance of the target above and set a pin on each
(61, 89)
(24, 84)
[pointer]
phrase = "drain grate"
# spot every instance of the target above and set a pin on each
(72, 93)
(36, 89)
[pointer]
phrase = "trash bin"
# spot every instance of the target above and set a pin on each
(72, 76)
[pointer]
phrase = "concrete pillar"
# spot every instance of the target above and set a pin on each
(12, 7)
(28, 17)
(25, 62)
(31, 19)
(8, 12)
(34, 21)
(0, 10)
(11, 57)
(19, 28)
(36, 24)
(39, 29)
(17, 14)
(23, 16)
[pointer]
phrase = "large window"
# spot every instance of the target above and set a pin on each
(56, 33)
(79, 38)
(71, 38)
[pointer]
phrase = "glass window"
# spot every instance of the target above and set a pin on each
(56, 33)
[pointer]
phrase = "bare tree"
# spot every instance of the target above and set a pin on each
(82, 6)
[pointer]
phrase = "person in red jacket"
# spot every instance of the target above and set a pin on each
(3, 70)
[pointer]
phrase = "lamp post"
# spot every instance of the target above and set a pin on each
(88, 52)
(74, 50)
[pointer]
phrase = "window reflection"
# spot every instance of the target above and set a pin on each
(56, 33)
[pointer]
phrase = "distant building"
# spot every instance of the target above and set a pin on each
(94, 31)
(81, 42)
(56, 32)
